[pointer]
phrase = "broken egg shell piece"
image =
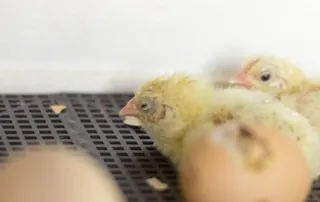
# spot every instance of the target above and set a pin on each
(156, 184)
(57, 109)
(132, 121)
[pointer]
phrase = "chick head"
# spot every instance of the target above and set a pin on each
(163, 104)
(268, 74)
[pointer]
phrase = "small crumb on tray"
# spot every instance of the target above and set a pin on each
(131, 121)
(156, 184)
(57, 109)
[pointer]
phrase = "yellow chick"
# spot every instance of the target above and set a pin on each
(268, 74)
(285, 81)
(160, 105)
(178, 108)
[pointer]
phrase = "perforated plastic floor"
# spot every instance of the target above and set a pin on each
(92, 122)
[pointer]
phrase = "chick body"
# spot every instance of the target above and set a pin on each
(250, 107)
(304, 99)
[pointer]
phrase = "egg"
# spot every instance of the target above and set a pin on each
(56, 175)
(239, 162)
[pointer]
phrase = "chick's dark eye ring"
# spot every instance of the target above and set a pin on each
(265, 77)
(144, 106)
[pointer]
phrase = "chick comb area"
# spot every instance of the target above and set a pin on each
(91, 122)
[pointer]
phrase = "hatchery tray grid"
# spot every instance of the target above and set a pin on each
(91, 121)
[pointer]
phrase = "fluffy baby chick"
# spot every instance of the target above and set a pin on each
(178, 108)
(269, 74)
(284, 80)
(166, 110)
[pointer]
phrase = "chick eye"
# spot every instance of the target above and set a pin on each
(265, 77)
(144, 106)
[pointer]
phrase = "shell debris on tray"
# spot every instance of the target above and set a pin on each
(156, 184)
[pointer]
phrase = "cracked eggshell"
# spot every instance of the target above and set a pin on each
(220, 167)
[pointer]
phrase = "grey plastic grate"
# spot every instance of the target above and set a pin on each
(92, 122)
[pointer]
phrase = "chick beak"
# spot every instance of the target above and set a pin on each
(241, 79)
(129, 109)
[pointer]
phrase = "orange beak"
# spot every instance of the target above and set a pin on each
(241, 79)
(129, 109)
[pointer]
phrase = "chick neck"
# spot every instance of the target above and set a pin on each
(172, 140)
(170, 135)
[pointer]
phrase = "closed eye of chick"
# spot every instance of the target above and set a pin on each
(181, 108)
(268, 74)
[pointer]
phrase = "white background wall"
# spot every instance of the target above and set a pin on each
(111, 45)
